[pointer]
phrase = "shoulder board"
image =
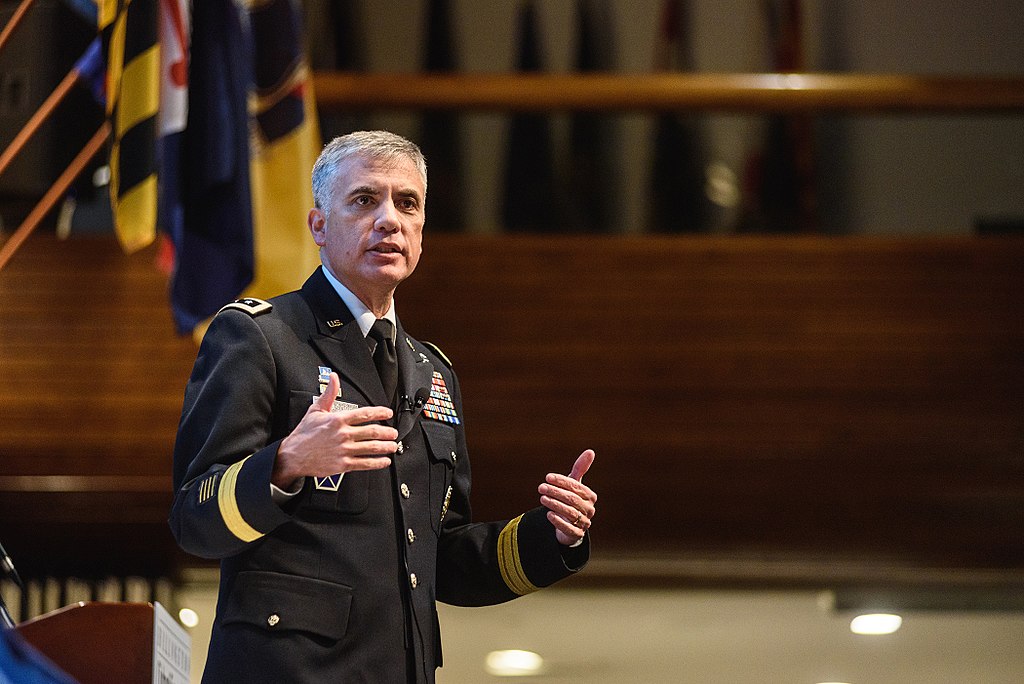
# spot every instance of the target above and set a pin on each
(434, 348)
(250, 305)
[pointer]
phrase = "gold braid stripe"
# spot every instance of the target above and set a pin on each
(229, 505)
(509, 563)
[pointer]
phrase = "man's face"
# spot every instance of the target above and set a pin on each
(372, 237)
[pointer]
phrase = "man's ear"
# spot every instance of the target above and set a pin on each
(317, 223)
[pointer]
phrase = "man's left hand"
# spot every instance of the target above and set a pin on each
(571, 504)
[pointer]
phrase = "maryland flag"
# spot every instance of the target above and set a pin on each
(130, 32)
(247, 152)
(285, 143)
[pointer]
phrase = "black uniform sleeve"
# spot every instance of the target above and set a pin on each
(224, 455)
(487, 563)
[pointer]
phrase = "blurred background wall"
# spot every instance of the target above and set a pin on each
(796, 339)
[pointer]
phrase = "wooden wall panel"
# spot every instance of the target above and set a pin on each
(91, 380)
(833, 402)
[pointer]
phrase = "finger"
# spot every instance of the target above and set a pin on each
(567, 503)
(374, 447)
(567, 489)
(326, 399)
(565, 533)
(369, 463)
(373, 431)
(568, 512)
(582, 465)
(365, 414)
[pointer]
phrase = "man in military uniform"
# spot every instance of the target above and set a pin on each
(321, 457)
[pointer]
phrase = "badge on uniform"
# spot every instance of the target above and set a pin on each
(444, 507)
(324, 378)
(439, 405)
(331, 483)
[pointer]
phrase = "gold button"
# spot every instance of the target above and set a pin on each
(411, 535)
(412, 580)
(273, 619)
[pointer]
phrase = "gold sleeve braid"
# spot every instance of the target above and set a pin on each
(509, 563)
(228, 504)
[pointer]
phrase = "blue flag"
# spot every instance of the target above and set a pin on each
(246, 155)
(22, 664)
(213, 241)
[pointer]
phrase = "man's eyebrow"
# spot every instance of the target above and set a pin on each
(408, 192)
(364, 190)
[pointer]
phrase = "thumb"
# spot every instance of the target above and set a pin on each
(326, 399)
(582, 465)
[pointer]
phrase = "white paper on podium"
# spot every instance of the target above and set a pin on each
(172, 649)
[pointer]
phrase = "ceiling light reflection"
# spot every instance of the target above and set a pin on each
(876, 623)
(513, 663)
(188, 617)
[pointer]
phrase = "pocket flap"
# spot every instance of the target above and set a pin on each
(279, 602)
(441, 440)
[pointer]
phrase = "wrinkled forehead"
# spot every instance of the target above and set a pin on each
(395, 170)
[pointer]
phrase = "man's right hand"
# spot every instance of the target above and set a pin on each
(325, 442)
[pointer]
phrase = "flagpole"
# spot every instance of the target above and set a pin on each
(55, 192)
(15, 19)
(41, 114)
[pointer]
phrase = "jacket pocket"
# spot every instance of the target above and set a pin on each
(278, 602)
(348, 495)
(443, 457)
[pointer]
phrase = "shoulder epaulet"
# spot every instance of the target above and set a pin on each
(434, 348)
(250, 305)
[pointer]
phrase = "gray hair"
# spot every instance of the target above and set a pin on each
(377, 145)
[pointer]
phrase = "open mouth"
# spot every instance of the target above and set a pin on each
(386, 248)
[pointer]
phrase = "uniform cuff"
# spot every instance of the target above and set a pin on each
(530, 557)
(244, 497)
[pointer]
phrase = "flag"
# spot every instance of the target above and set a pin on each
(531, 201)
(175, 20)
(132, 49)
(342, 47)
(21, 662)
(679, 203)
(247, 152)
(213, 260)
(439, 129)
(780, 181)
(588, 193)
(286, 142)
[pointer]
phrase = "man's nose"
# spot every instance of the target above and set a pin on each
(388, 218)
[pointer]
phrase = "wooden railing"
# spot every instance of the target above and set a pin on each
(779, 92)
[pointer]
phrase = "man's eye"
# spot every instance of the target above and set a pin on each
(363, 200)
(407, 204)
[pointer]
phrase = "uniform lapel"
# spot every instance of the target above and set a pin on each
(339, 339)
(414, 374)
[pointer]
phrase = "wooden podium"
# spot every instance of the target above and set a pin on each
(99, 643)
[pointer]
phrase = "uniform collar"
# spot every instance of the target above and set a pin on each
(363, 316)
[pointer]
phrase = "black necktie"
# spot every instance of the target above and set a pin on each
(383, 349)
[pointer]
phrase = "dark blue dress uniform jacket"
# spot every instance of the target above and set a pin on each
(338, 584)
